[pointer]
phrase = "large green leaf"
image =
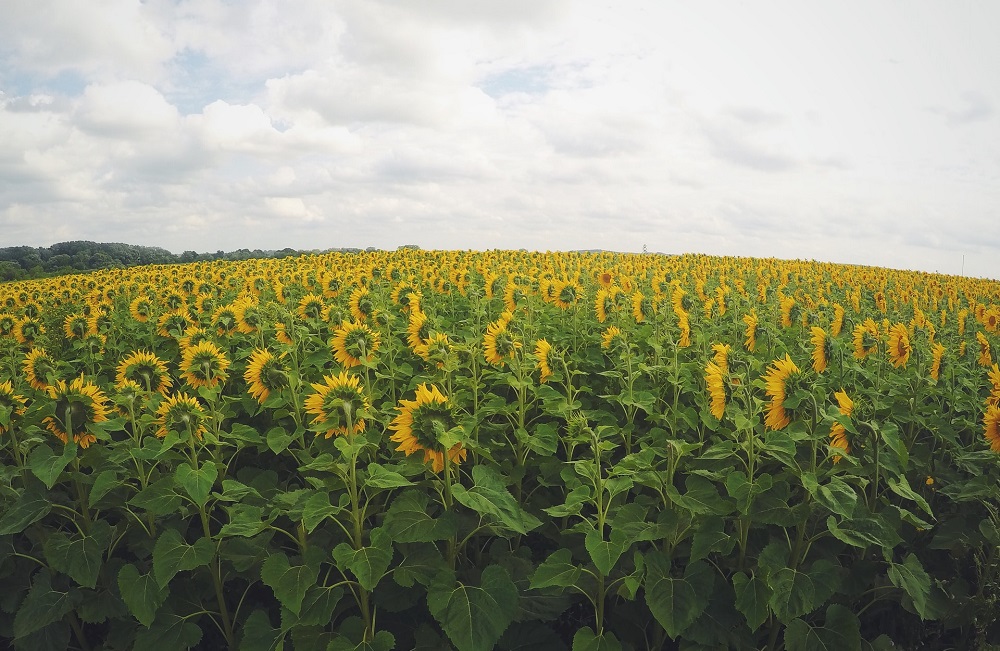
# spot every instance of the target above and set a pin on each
(711, 537)
(169, 632)
(911, 577)
(408, 520)
(489, 497)
(586, 640)
(841, 631)
(368, 564)
(141, 593)
(172, 554)
(105, 482)
(381, 477)
(863, 531)
(676, 602)
(79, 556)
(381, 641)
(474, 617)
(557, 571)
(795, 592)
(41, 607)
(159, 498)
(605, 553)
(245, 520)
(47, 465)
(197, 483)
(702, 497)
(289, 582)
(836, 495)
(752, 595)
(258, 634)
(902, 488)
(31, 506)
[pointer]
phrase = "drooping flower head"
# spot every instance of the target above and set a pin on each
(145, 369)
(991, 424)
(776, 382)
(567, 293)
(141, 309)
(985, 357)
(499, 343)
(789, 313)
(865, 338)
(937, 361)
(353, 342)
(182, 414)
(838, 434)
(224, 320)
(173, 324)
(38, 366)
(420, 423)
(838, 320)
(79, 405)
(12, 402)
(361, 304)
(899, 346)
(612, 340)
(248, 317)
(822, 349)
(417, 329)
(642, 307)
(75, 326)
(264, 373)
(721, 356)
(715, 381)
(337, 402)
(753, 329)
(311, 308)
(542, 350)
(436, 349)
(685, 329)
(193, 336)
(28, 330)
(204, 365)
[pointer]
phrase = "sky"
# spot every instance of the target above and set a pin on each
(863, 132)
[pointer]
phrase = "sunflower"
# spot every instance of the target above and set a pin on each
(838, 320)
(685, 328)
(145, 369)
(991, 422)
(612, 339)
(721, 357)
(353, 342)
(7, 324)
(838, 434)
(204, 365)
(822, 349)
(311, 308)
(182, 414)
(283, 333)
(418, 329)
(716, 384)
(498, 342)
(337, 404)
(937, 363)
(789, 313)
(141, 309)
(542, 350)
(603, 304)
(173, 324)
(75, 326)
(985, 359)
(642, 307)
(402, 293)
(567, 293)
(776, 386)
(436, 349)
(514, 294)
(264, 374)
(865, 338)
(224, 320)
(129, 396)
(12, 402)
(994, 377)
(248, 317)
(750, 343)
(78, 407)
(991, 318)
(605, 279)
(193, 335)
(419, 424)
(899, 345)
(681, 301)
(28, 330)
(361, 304)
(38, 366)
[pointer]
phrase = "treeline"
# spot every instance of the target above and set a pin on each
(24, 262)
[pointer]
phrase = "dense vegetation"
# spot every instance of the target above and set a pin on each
(511, 450)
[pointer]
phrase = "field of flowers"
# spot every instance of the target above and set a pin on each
(510, 450)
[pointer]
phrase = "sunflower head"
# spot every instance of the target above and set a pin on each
(78, 406)
(613, 340)
(991, 426)
(75, 326)
(499, 343)
(361, 304)
(838, 433)
(899, 346)
(311, 308)
(264, 373)
(339, 405)
(129, 396)
(822, 348)
(181, 414)
(437, 350)
(421, 425)
(38, 367)
(752, 331)
(28, 330)
(354, 342)
(718, 390)
(542, 351)
(173, 324)
(780, 384)
(204, 365)
(985, 357)
(642, 307)
(866, 338)
(12, 406)
(937, 361)
(145, 369)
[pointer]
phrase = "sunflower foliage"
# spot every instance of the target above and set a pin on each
(499, 450)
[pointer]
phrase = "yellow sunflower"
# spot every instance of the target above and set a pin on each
(78, 407)
(353, 342)
(419, 423)
(985, 358)
(721, 356)
(750, 343)
(838, 320)
(204, 365)
(173, 324)
(542, 350)
(681, 301)
(75, 326)
(498, 342)
(311, 308)
(776, 386)
(991, 423)
(11, 401)
(612, 339)
(789, 313)
(182, 414)
(436, 349)
(418, 329)
(361, 304)
(264, 374)
(338, 402)
(567, 293)
(716, 384)
(145, 369)
(248, 317)
(822, 349)
(224, 320)
(899, 345)
(28, 330)
(642, 307)
(603, 304)
(865, 339)
(7, 324)
(38, 366)
(141, 309)
(685, 328)
(193, 335)
(937, 361)
(838, 435)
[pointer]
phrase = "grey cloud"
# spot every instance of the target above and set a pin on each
(739, 151)
(974, 107)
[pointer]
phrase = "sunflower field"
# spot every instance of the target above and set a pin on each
(499, 450)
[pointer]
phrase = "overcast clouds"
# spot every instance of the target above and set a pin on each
(863, 132)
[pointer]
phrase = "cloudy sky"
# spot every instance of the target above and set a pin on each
(864, 132)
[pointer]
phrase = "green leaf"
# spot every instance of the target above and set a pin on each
(911, 577)
(245, 520)
(158, 498)
(47, 465)
(586, 640)
(258, 634)
(752, 595)
(382, 641)
(889, 433)
(317, 607)
(41, 607)
(368, 564)
(169, 632)
(902, 488)
(31, 506)
(795, 593)
(316, 510)
(545, 440)
(605, 553)
(278, 440)
(289, 582)
(840, 631)
(676, 602)
(197, 483)
(104, 483)
(474, 617)
(711, 537)
(244, 433)
(836, 495)
(864, 531)
(172, 554)
(408, 520)
(79, 556)
(702, 497)
(490, 497)
(141, 593)
(380, 477)
(557, 571)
